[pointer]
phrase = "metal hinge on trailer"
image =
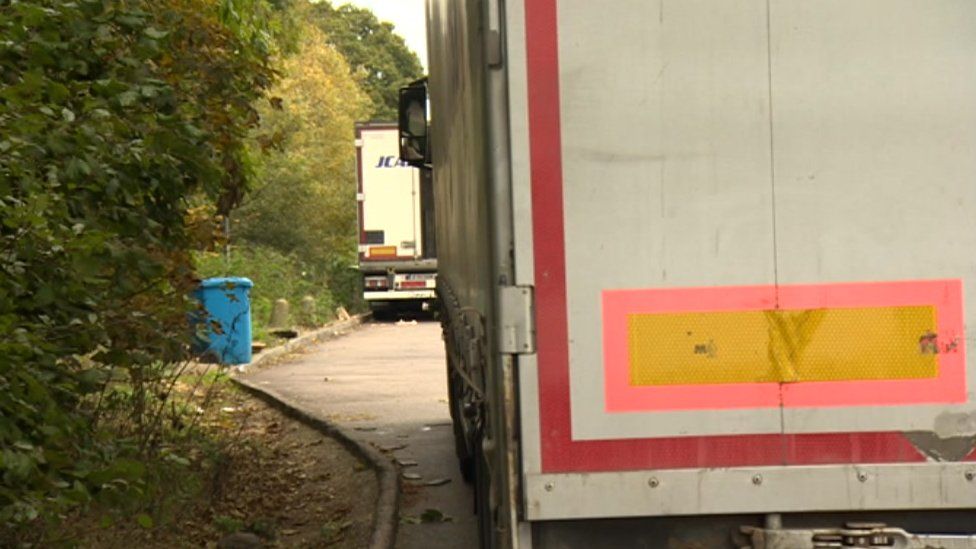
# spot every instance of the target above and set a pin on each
(518, 326)
(862, 535)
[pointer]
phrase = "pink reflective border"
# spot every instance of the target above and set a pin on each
(944, 295)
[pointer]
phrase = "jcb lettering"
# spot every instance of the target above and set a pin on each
(390, 162)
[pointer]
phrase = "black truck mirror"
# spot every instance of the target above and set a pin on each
(414, 138)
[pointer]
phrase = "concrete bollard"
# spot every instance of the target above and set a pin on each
(308, 316)
(279, 314)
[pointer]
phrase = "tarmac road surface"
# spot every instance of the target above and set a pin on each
(386, 384)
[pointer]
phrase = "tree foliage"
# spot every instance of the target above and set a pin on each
(122, 123)
(304, 202)
(380, 59)
(128, 128)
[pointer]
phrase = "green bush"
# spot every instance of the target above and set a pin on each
(128, 130)
(117, 118)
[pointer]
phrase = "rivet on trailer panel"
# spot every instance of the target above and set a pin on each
(862, 476)
(549, 486)
(970, 475)
(653, 482)
(757, 480)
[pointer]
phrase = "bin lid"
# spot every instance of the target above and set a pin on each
(225, 281)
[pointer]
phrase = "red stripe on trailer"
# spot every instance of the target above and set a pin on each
(833, 448)
(560, 453)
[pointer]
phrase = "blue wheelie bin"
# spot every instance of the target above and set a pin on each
(226, 304)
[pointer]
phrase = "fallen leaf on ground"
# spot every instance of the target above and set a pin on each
(434, 515)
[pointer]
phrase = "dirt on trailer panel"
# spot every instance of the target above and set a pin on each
(280, 484)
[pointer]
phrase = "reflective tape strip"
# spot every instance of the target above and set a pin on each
(382, 251)
(788, 346)
(847, 344)
(399, 295)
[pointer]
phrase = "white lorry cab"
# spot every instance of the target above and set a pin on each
(397, 247)
(707, 268)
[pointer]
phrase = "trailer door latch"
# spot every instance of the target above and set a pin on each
(518, 326)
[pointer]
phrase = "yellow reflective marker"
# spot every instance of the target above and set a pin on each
(785, 346)
(382, 251)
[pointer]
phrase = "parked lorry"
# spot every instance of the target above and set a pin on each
(397, 247)
(704, 268)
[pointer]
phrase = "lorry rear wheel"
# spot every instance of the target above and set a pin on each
(482, 500)
(461, 447)
(380, 312)
(465, 462)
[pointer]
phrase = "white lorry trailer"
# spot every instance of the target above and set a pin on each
(707, 268)
(397, 247)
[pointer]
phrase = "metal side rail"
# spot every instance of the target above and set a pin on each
(864, 535)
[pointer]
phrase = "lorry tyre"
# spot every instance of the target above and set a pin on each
(379, 311)
(455, 389)
(482, 499)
